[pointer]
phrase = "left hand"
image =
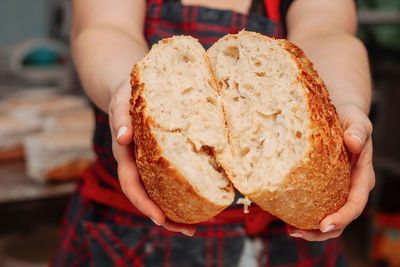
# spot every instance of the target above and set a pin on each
(357, 138)
(128, 173)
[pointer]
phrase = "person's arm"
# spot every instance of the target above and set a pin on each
(107, 40)
(325, 31)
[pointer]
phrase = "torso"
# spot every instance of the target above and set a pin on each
(206, 20)
(240, 6)
(105, 232)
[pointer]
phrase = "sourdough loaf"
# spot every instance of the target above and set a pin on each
(178, 127)
(286, 143)
(264, 121)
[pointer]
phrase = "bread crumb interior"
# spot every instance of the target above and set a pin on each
(266, 110)
(188, 121)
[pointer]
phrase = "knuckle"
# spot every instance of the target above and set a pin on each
(115, 154)
(344, 213)
(121, 94)
(347, 214)
(337, 234)
(111, 106)
(357, 213)
(372, 183)
(355, 210)
(369, 126)
(124, 188)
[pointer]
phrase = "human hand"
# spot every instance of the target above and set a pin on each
(129, 177)
(357, 138)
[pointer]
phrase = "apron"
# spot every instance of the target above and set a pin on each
(101, 226)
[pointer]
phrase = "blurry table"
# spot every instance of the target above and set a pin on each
(15, 186)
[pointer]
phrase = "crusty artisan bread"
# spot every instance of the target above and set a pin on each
(178, 127)
(58, 156)
(265, 118)
(287, 151)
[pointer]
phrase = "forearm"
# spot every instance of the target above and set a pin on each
(342, 62)
(104, 57)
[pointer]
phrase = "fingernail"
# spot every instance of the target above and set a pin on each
(296, 234)
(357, 137)
(154, 221)
(122, 130)
(187, 233)
(328, 228)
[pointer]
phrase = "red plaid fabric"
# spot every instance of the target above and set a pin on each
(255, 221)
(98, 235)
(102, 228)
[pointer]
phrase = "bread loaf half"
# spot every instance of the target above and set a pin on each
(286, 143)
(178, 127)
(263, 122)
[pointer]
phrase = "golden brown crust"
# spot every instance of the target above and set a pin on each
(11, 154)
(164, 184)
(69, 171)
(320, 184)
(312, 190)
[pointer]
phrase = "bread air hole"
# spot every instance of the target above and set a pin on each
(232, 51)
(187, 58)
(226, 83)
(260, 74)
(211, 84)
(269, 116)
(244, 152)
(211, 100)
(206, 150)
(236, 86)
(248, 86)
(187, 90)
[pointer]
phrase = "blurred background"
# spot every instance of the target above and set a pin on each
(46, 126)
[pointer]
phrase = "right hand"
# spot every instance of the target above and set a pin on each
(129, 177)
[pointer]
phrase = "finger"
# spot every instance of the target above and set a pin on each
(314, 235)
(362, 181)
(357, 134)
(132, 186)
(186, 229)
(120, 119)
(131, 183)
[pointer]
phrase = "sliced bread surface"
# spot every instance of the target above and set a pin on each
(286, 148)
(178, 128)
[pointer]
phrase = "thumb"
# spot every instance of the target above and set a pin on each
(357, 133)
(120, 119)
